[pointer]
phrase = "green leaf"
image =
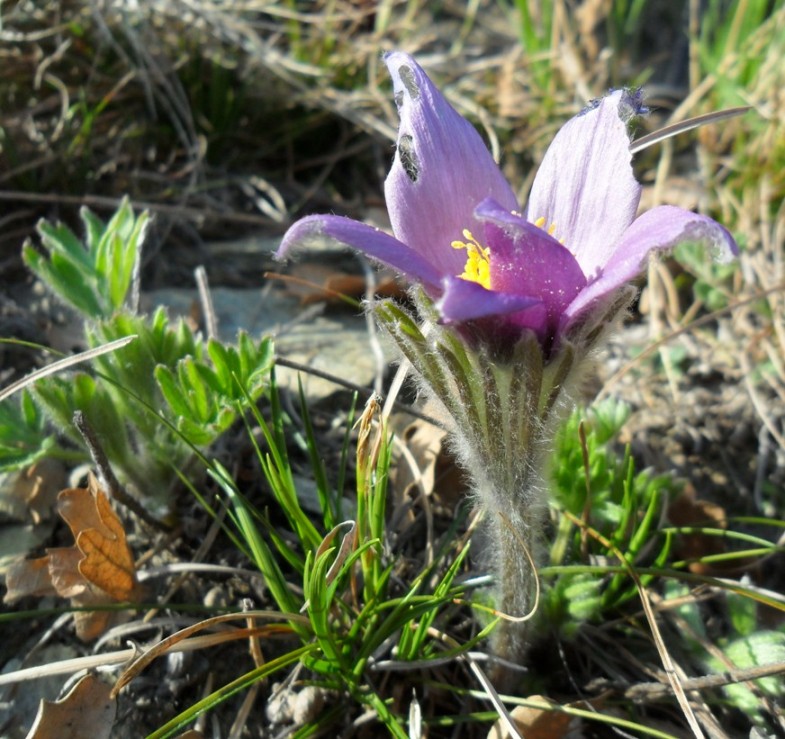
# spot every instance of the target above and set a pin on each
(64, 279)
(94, 228)
(197, 433)
(93, 278)
(171, 391)
(195, 389)
(59, 238)
(755, 650)
(221, 359)
(743, 613)
(23, 438)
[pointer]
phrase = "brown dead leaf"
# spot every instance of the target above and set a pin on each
(87, 710)
(108, 562)
(690, 511)
(33, 492)
(40, 484)
(30, 494)
(28, 577)
(429, 466)
(538, 723)
(314, 283)
(98, 570)
(64, 573)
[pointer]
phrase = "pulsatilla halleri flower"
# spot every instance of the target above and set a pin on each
(511, 301)
(490, 264)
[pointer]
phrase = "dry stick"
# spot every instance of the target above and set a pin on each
(141, 661)
(373, 336)
(667, 662)
(758, 403)
(359, 389)
(328, 292)
(482, 678)
(674, 129)
(683, 625)
(400, 376)
(701, 706)
(206, 299)
(423, 496)
(130, 656)
(100, 201)
(235, 730)
(107, 476)
(653, 691)
(62, 364)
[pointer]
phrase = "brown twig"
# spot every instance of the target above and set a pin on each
(359, 389)
(107, 476)
(653, 691)
(206, 299)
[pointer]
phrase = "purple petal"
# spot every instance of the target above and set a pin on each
(466, 301)
(585, 184)
(659, 229)
(525, 260)
(442, 169)
(315, 230)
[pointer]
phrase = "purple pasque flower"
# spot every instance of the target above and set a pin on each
(460, 232)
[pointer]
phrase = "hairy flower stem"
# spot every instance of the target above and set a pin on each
(517, 541)
(504, 403)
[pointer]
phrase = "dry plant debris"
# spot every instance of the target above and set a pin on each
(540, 723)
(97, 570)
(87, 710)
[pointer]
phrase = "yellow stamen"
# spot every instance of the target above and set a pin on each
(540, 223)
(478, 260)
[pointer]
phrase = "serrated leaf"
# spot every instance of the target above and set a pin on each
(220, 357)
(194, 388)
(171, 391)
(94, 228)
(59, 238)
(64, 279)
(211, 380)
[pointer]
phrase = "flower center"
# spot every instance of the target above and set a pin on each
(478, 260)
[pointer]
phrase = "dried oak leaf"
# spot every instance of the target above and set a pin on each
(98, 570)
(690, 511)
(30, 494)
(315, 283)
(539, 723)
(39, 485)
(87, 710)
(430, 467)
